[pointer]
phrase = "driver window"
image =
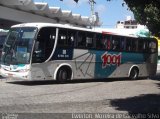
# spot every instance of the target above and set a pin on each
(44, 44)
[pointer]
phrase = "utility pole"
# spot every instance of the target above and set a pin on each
(92, 2)
(94, 18)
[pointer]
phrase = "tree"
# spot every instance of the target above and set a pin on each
(146, 12)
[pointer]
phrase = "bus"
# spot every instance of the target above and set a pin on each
(45, 51)
(158, 63)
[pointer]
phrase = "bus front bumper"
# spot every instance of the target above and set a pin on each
(15, 75)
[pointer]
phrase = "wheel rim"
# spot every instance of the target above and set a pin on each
(133, 74)
(64, 75)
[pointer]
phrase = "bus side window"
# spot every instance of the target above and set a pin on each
(152, 46)
(99, 43)
(123, 44)
(71, 38)
(106, 42)
(134, 45)
(81, 39)
(115, 43)
(39, 48)
(44, 44)
(145, 46)
(62, 38)
(142, 45)
(128, 44)
(103, 42)
(50, 40)
(89, 40)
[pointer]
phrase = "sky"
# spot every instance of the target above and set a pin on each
(109, 12)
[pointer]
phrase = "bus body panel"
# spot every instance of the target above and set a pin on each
(89, 65)
(84, 62)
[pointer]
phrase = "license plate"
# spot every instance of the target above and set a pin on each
(10, 75)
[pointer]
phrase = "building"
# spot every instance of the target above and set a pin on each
(129, 24)
(132, 27)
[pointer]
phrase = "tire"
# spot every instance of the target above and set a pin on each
(134, 74)
(63, 75)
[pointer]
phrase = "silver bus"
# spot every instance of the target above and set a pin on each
(44, 51)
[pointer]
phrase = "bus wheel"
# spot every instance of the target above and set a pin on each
(63, 74)
(134, 73)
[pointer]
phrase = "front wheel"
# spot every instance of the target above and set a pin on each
(134, 74)
(63, 75)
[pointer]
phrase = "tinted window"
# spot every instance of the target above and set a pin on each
(123, 44)
(99, 42)
(81, 39)
(90, 37)
(143, 45)
(131, 44)
(152, 46)
(66, 38)
(44, 44)
(103, 41)
(116, 41)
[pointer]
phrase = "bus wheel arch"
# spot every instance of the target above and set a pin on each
(63, 73)
(133, 72)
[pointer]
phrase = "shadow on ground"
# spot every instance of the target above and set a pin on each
(52, 82)
(156, 77)
(140, 104)
(75, 81)
(144, 104)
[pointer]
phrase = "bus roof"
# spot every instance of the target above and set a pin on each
(41, 25)
(118, 32)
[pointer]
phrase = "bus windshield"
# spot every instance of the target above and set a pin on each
(18, 45)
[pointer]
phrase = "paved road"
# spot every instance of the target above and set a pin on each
(105, 96)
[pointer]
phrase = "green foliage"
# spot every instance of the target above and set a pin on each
(146, 12)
